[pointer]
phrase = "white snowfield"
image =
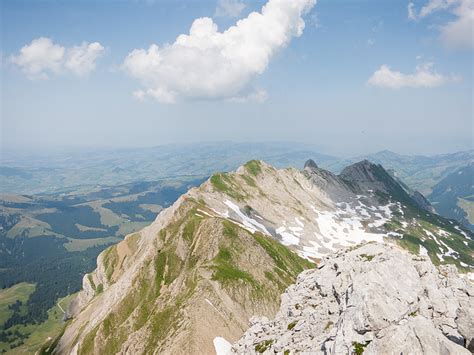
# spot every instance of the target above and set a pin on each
(331, 230)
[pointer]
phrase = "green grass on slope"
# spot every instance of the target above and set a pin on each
(226, 271)
(226, 264)
(33, 336)
(9, 296)
(420, 234)
(82, 244)
(224, 183)
(253, 167)
(284, 258)
(150, 305)
(139, 307)
(110, 259)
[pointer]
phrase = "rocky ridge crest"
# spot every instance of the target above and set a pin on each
(375, 299)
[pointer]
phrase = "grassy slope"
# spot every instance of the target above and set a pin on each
(8, 296)
(83, 244)
(38, 334)
(148, 303)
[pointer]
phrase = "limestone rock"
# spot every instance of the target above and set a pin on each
(378, 299)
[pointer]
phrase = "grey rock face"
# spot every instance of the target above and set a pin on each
(364, 175)
(376, 298)
(310, 164)
(422, 202)
(363, 171)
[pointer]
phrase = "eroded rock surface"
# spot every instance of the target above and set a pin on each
(376, 299)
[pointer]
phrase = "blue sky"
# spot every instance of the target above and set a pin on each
(326, 86)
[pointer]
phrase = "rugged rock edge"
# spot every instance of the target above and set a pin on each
(374, 299)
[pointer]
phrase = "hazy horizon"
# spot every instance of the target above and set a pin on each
(352, 77)
(12, 153)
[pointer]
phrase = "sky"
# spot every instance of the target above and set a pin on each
(351, 77)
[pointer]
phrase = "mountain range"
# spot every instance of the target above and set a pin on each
(226, 250)
(71, 171)
(453, 196)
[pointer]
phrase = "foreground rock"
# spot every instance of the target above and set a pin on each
(376, 299)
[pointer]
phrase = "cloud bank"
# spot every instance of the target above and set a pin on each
(42, 58)
(208, 64)
(423, 77)
(457, 33)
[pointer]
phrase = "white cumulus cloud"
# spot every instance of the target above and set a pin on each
(80, 60)
(208, 64)
(229, 8)
(42, 58)
(457, 33)
(423, 77)
(436, 5)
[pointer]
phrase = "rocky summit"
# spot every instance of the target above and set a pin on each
(374, 299)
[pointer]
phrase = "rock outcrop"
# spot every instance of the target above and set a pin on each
(375, 299)
(422, 202)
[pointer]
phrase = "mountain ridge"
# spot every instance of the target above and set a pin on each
(279, 214)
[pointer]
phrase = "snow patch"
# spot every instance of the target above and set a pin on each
(395, 234)
(287, 238)
(461, 231)
(249, 223)
(423, 251)
(345, 227)
(222, 346)
(443, 233)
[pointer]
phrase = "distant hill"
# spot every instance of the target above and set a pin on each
(66, 171)
(453, 196)
(78, 170)
(419, 172)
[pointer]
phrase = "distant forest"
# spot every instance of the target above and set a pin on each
(56, 273)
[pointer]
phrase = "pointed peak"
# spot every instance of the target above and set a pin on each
(366, 172)
(310, 164)
(360, 168)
